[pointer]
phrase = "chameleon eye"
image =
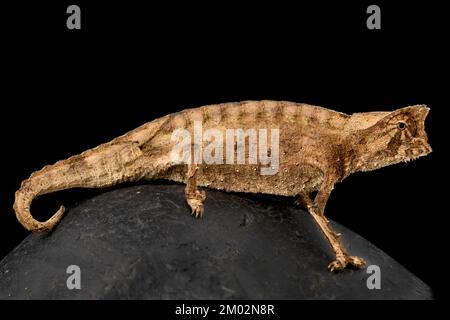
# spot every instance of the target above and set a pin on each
(401, 125)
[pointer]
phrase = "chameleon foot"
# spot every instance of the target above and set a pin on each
(194, 197)
(337, 265)
(341, 263)
(356, 262)
(195, 201)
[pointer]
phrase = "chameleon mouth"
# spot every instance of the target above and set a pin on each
(411, 159)
(413, 154)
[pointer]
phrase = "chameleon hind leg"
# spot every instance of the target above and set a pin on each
(194, 197)
(343, 259)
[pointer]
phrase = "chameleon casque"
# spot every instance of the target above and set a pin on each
(318, 147)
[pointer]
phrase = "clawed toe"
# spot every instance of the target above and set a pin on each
(341, 263)
(197, 211)
(196, 203)
(356, 262)
(337, 265)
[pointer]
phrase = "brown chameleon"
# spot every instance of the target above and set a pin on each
(317, 148)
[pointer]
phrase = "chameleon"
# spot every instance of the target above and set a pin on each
(317, 148)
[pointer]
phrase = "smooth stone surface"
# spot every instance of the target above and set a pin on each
(141, 242)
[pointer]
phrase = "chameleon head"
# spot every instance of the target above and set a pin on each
(399, 136)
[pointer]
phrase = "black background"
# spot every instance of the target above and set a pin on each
(65, 91)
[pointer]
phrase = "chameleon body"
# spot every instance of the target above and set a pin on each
(318, 147)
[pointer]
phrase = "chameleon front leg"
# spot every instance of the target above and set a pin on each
(194, 197)
(316, 210)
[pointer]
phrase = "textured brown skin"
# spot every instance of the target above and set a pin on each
(318, 148)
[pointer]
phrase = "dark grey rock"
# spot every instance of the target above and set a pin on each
(141, 243)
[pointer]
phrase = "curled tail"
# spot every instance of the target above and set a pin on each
(24, 197)
(103, 166)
